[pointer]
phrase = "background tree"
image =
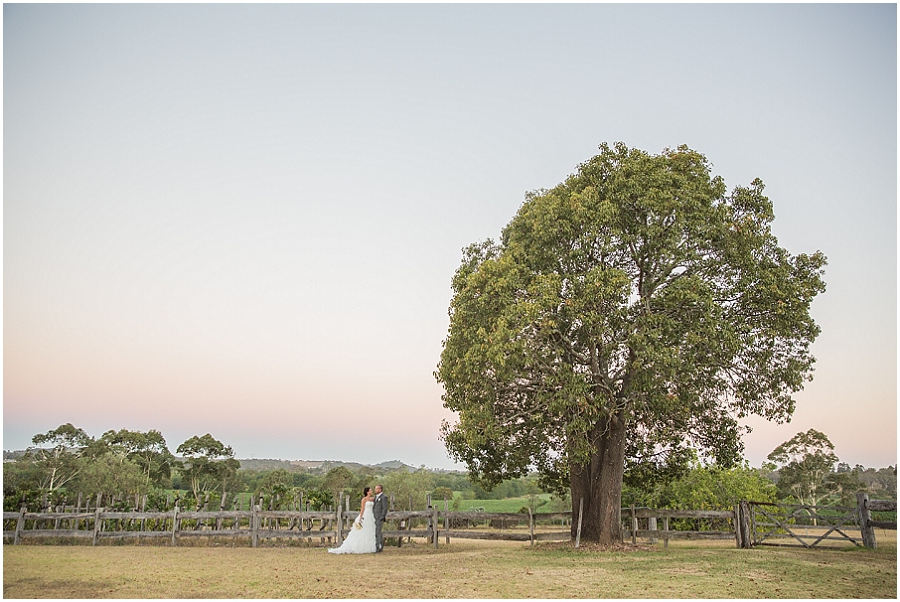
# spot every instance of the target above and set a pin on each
(442, 493)
(633, 307)
(208, 464)
(716, 488)
(881, 482)
(147, 450)
(405, 485)
(806, 470)
(111, 473)
(337, 480)
(277, 485)
(55, 455)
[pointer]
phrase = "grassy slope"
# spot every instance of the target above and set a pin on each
(479, 570)
(513, 504)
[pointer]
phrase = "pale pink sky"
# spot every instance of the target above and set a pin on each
(244, 219)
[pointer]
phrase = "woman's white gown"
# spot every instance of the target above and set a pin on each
(361, 539)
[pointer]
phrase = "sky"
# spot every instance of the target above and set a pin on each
(243, 220)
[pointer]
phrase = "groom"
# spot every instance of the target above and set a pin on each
(380, 510)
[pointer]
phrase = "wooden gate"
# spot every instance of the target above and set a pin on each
(808, 525)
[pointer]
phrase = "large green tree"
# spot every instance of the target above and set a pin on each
(631, 310)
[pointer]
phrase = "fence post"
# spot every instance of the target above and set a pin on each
(651, 524)
(746, 535)
(339, 517)
(530, 525)
(175, 525)
(868, 533)
(254, 525)
(634, 526)
(20, 526)
(432, 520)
(666, 529)
(578, 533)
(97, 523)
(349, 524)
(738, 539)
(446, 519)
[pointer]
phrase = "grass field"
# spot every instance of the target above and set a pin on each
(513, 504)
(462, 569)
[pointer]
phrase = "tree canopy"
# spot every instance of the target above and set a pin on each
(632, 311)
(56, 455)
(210, 463)
(806, 470)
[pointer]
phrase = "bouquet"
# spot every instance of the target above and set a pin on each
(357, 524)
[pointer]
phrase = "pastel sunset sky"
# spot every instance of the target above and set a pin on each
(243, 220)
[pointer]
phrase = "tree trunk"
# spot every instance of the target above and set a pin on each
(599, 483)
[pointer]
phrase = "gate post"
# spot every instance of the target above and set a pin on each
(865, 517)
(744, 520)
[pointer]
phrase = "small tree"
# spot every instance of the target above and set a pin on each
(209, 464)
(277, 484)
(337, 480)
(805, 465)
(442, 493)
(110, 474)
(402, 484)
(716, 488)
(56, 455)
(147, 450)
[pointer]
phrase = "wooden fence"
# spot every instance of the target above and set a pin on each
(330, 526)
(259, 525)
(764, 523)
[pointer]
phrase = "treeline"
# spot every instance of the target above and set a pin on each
(126, 465)
(802, 470)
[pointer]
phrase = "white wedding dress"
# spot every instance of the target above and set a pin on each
(361, 539)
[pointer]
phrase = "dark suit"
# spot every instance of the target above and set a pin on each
(380, 510)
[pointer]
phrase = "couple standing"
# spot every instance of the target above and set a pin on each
(365, 536)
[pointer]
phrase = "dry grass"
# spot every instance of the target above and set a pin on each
(463, 569)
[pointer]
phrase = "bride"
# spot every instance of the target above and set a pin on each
(361, 539)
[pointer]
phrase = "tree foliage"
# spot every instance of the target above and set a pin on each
(209, 464)
(110, 473)
(55, 455)
(806, 471)
(337, 479)
(406, 486)
(147, 450)
(716, 488)
(635, 309)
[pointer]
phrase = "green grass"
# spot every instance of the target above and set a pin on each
(479, 570)
(513, 504)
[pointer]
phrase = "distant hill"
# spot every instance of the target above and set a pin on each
(313, 466)
(264, 464)
(318, 466)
